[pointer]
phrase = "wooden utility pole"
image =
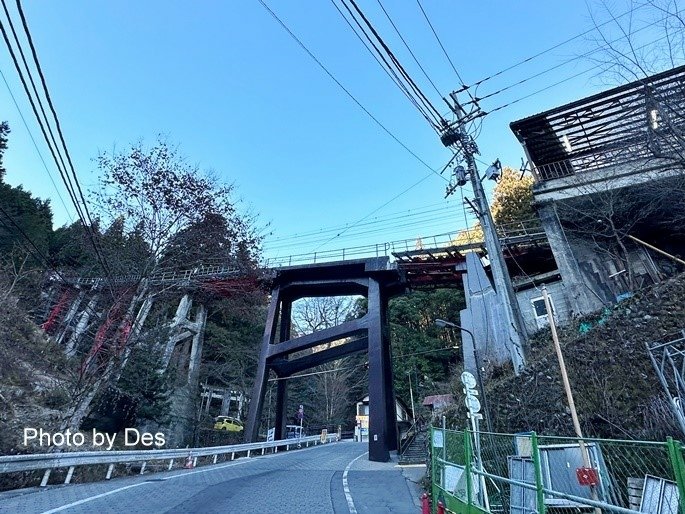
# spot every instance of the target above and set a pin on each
(585, 454)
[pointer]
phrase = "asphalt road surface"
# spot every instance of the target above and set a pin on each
(335, 477)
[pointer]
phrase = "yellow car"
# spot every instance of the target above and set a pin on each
(229, 424)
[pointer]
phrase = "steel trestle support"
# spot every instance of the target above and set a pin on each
(372, 278)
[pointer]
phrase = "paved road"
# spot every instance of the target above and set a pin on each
(310, 480)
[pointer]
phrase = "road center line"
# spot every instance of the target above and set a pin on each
(346, 486)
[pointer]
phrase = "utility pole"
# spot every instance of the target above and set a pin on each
(455, 135)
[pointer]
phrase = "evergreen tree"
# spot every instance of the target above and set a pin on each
(513, 201)
(4, 131)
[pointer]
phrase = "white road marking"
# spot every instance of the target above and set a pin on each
(113, 491)
(188, 473)
(346, 486)
(91, 498)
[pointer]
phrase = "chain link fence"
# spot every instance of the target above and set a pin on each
(527, 473)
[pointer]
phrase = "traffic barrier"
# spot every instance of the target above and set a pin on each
(50, 461)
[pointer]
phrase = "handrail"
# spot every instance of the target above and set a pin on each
(50, 461)
(446, 240)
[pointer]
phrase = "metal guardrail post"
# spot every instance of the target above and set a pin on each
(432, 470)
(676, 456)
(468, 461)
(539, 493)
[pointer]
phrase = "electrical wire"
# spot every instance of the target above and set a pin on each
(557, 66)
(401, 193)
(554, 47)
(437, 38)
(35, 145)
(90, 224)
(422, 97)
(575, 75)
(57, 157)
(341, 86)
(378, 56)
(387, 15)
(392, 215)
(384, 226)
(36, 253)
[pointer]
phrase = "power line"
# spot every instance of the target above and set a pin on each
(56, 154)
(554, 47)
(564, 63)
(422, 97)
(341, 86)
(35, 112)
(387, 15)
(35, 145)
(575, 75)
(388, 202)
(430, 208)
(36, 253)
(58, 125)
(437, 38)
(421, 225)
(387, 68)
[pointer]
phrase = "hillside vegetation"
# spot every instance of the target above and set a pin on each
(32, 377)
(616, 388)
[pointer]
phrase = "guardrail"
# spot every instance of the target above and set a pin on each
(187, 456)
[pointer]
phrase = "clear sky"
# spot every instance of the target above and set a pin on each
(224, 80)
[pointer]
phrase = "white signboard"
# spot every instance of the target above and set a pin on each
(438, 439)
(270, 434)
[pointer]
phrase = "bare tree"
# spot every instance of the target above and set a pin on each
(636, 38)
(154, 203)
(332, 385)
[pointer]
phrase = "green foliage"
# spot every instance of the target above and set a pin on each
(69, 248)
(33, 215)
(420, 348)
(513, 201)
(148, 389)
(231, 346)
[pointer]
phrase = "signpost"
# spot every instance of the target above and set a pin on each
(473, 405)
(300, 416)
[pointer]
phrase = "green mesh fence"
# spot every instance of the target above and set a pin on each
(527, 473)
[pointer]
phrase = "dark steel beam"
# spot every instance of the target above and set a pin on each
(347, 329)
(281, 418)
(378, 426)
(259, 389)
(288, 367)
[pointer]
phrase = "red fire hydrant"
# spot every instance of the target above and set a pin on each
(425, 504)
(441, 508)
(189, 462)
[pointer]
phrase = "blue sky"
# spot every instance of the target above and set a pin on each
(223, 80)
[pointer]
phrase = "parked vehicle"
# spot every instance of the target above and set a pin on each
(228, 423)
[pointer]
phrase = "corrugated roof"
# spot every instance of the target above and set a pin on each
(440, 399)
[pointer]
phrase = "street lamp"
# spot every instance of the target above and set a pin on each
(448, 324)
(411, 395)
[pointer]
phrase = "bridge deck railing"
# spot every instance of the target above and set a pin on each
(517, 232)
